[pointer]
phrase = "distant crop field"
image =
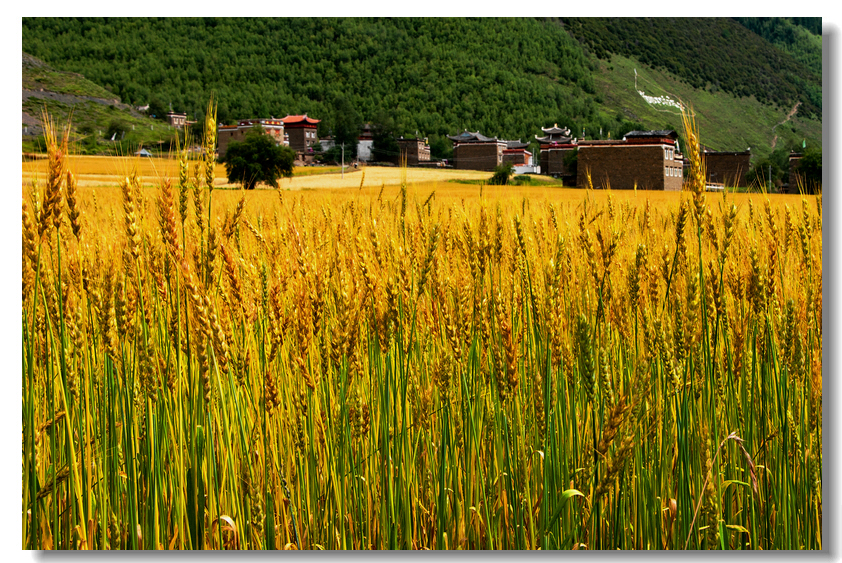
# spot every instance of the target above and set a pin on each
(109, 170)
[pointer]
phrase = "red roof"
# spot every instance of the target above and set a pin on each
(299, 119)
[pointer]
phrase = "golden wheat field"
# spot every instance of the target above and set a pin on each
(107, 171)
(415, 364)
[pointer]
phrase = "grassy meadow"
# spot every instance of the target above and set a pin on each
(408, 363)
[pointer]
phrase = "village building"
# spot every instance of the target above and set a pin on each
(648, 160)
(326, 143)
(177, 120)
(227, 133)
(473, 151)
(302, 132)
(364, 143)
(414, 149)
(517, 154)
(556, 147)
(729, 169)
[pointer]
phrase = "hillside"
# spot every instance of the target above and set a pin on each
(434, 76)
(96, 115)
(802, 41)
(708, 54)
(726, 122)
(504, 77)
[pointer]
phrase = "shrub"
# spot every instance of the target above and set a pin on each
(502, 174)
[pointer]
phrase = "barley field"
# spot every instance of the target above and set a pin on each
(417, 365)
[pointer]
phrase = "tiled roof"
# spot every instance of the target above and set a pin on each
(556, 130)
(468, 137)
(299, 119)
(516, 145)
(548, 139)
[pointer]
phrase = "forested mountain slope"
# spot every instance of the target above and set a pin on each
(711, 53)
(503, 76)
(435, 75)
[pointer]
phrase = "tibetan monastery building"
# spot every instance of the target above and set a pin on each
(517, 153)
(302, 132)
(473, 151)
(727, 168)
(648, 160)
(556, 144)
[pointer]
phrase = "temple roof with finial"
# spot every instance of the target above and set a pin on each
(554, 134)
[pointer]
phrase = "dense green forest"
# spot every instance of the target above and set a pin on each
(715, 53)
(503, 77)
(436, 76)
(801, 39)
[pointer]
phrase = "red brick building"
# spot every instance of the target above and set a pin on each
(473, 151)
(556, 144)
(649, 160)
(727, 168)
(227, 133)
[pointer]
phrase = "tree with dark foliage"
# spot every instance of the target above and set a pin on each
(810, 169)
(502, 174)
(258, 159)
(384, 147)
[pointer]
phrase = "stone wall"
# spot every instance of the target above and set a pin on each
(730, 169)
(516, 159)
(552, 161)
(623, 167)
(225, 136)
(478, 156)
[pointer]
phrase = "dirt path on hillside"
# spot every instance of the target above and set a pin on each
(791, 113)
